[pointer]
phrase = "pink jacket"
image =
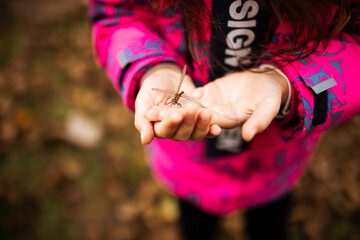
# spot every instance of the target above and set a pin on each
(129, 38)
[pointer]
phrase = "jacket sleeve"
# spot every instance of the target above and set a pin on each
(325, 86)
(129, 38)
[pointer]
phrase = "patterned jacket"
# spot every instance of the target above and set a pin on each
(129, 38)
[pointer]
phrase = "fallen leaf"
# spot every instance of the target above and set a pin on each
(82, 131)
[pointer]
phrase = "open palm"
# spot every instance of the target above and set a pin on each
(247, 98)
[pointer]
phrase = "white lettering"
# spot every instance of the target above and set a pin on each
(235, 41)
(242, 24)
(229, 140)
(236, 55)
(241, 37)
(252, 5)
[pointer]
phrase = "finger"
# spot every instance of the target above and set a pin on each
(202, 126)
(143, 125)
(226, 116)
(168, 122)
(214, 131)
(153, 114)
(145, 128)
(187, 125)
(261, 118)
(147, 133)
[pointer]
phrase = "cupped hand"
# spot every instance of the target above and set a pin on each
(155, 118)
(250, 98)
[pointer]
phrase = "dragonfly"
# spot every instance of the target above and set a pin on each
(177, 94)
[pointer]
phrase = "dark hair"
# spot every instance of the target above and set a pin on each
(310, 21)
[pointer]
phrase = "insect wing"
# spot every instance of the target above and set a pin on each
(183, 73)
(164, 90)
(191, 99)
(187, 97)
(176, 93)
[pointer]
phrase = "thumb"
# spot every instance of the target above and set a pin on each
(146, 131)
(142, 124)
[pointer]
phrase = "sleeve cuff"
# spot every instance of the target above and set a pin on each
(284, 111)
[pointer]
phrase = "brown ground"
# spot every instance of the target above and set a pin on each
(54, 185)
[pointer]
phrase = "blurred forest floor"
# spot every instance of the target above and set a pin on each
(62, 181)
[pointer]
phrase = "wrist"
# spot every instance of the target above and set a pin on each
(280, 78)
(170, 69)
(284, 82)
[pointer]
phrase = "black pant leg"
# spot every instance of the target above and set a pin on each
(269, 221)
(196, 224)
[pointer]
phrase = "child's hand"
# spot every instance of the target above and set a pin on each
(155, 119)
(245, 98)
